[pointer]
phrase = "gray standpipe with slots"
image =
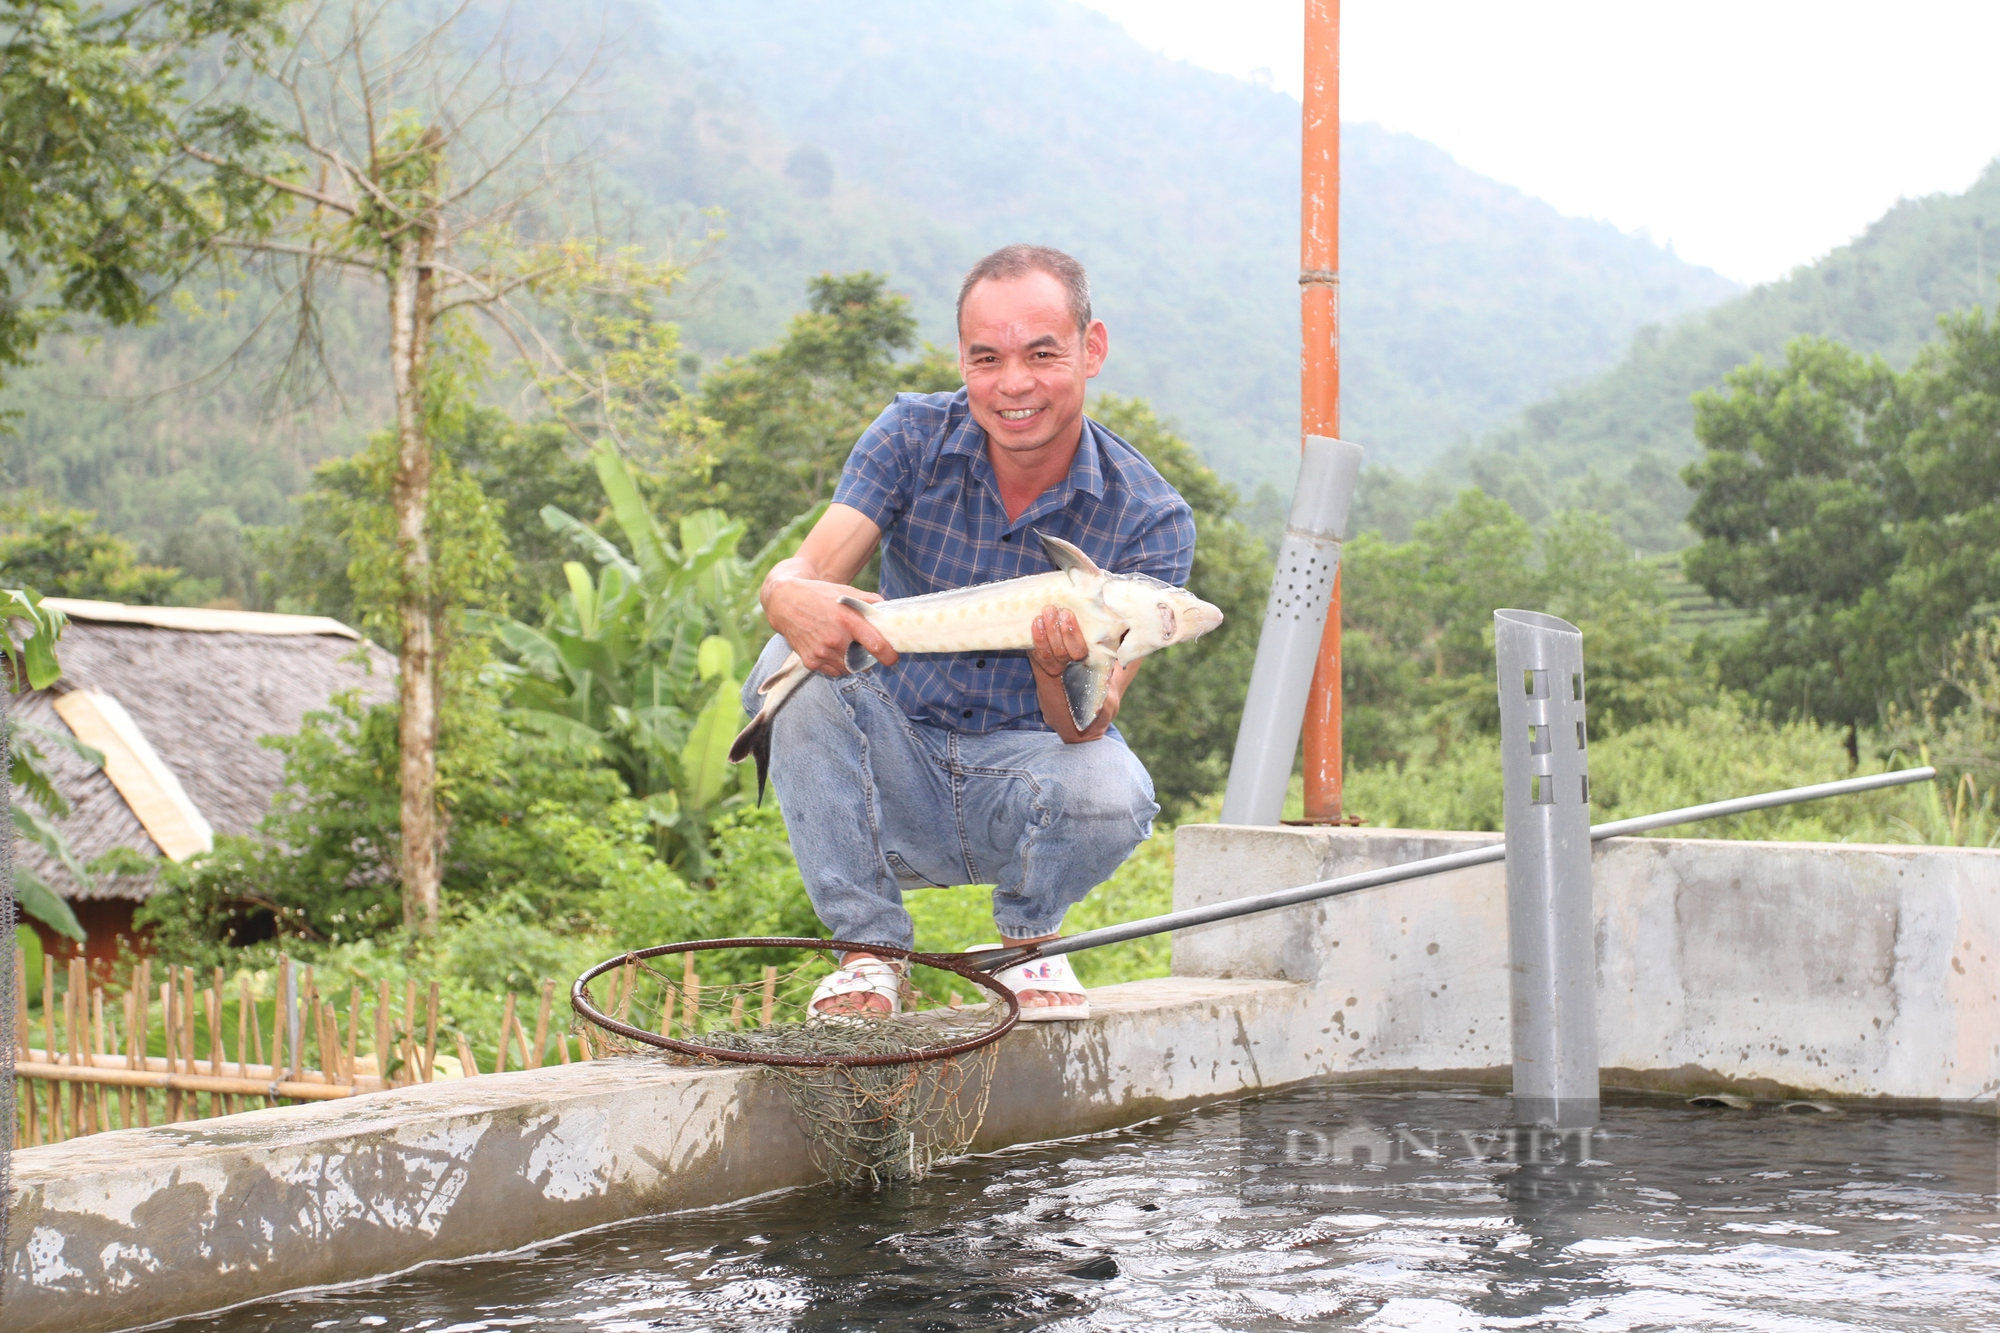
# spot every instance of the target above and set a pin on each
(1546, 798)
(1274, 709)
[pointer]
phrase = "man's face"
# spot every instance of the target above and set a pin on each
(1025, 363)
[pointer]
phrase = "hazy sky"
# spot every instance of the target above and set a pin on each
(1754, 135)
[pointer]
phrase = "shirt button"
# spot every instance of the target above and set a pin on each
(1006, 536)
(981, 662)
(968, 712)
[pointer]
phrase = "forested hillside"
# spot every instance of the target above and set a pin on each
(1617, 442)
(1462, 299)
(846, 138)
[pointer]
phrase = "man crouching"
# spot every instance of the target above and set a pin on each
(968, 768)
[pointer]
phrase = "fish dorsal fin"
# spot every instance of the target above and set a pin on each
(1066, 557)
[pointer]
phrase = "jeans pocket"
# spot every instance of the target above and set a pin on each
(907, 876)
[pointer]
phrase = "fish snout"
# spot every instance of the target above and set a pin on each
(1198, 620)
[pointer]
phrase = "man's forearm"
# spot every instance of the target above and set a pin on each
(786, 570)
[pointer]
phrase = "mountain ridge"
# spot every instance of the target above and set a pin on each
(814, 128)
(1414, 384)
(1616, 441)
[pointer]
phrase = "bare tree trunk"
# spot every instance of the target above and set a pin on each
(410, 298)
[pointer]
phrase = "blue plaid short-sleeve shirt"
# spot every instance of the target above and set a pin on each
(921, 474)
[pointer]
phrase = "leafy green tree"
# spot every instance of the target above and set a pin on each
(413, 162)
(340, 558)
(343, 559)
(216, 556)
(522, 468)
(637, 666)
(1858, 510)
(1416, 621)
(786, 417)
(1418, 627)
(1180, 715)
(62, 553)
(111, 183)
(1639, 672)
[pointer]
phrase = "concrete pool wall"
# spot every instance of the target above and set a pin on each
(1802, 969)
(138, 1225)
(1786, 969)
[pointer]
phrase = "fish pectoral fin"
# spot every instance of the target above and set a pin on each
(1068, 558)
(856, 605)
(785, 671)
(1085, 684)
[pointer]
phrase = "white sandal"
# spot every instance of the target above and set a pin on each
(1051, 974)
(863, 976)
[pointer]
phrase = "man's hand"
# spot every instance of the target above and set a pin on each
(1059, 641)
(802, 595)
(808, 613)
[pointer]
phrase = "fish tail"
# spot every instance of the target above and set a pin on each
(754, 741)
(746, 740)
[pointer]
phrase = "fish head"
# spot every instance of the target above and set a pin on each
(1155, 614)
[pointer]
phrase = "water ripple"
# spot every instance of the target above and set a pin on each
(1315, 1208)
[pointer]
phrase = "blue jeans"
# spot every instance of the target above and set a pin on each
(876, 804)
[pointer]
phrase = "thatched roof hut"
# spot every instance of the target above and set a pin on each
(176, 698)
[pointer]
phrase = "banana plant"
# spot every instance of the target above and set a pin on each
(32, 663)
(636, 664)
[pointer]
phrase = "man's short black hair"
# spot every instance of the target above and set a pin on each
(1018, 261)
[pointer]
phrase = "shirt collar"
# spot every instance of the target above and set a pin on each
(1086, 470)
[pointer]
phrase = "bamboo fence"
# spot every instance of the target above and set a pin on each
(162, 1054)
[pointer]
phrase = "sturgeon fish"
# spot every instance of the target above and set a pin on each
(1123, 617)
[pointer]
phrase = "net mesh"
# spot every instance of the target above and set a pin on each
(880, 1099)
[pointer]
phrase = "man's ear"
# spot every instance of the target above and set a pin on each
(1096, 346)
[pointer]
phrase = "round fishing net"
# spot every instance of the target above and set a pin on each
(880, 1098)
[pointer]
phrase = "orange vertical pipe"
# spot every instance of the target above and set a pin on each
(1319, 365)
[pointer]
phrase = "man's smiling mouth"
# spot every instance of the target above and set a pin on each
(1017, 413)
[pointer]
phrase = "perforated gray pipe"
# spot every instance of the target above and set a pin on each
(1260, 772)
(1544, 767)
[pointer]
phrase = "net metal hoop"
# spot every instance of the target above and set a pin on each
(957, 964)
